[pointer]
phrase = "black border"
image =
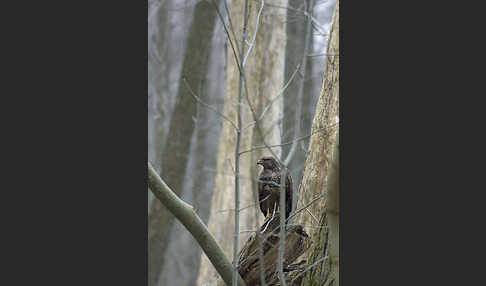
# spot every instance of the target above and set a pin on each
(76, 172)
(408, 131)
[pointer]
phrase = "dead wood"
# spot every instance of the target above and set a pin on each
(296, 243)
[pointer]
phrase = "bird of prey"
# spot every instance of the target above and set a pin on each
(269, 187)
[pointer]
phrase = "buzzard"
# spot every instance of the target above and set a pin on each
(269, 187)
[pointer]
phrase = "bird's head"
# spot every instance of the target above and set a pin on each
(268, 163)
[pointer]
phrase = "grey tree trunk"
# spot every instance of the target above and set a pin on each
(158, 67)
(316, 181)
(310, 78)
(177, 145)
(200, 174)
(294, 53)
(167, 32)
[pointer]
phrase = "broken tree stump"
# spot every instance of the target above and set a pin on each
(297, 241)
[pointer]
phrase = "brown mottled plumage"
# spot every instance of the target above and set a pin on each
(269, 187)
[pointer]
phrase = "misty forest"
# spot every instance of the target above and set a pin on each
(243, 122)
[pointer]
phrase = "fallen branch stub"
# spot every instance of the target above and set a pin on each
(296, 243)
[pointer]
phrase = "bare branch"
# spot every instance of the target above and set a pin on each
(237, 154)
(316, 25)
(193, 223)
(273, 99)
(242, 74)
(287, 143)
(315, 219)
(281, 245)
(207, 105)
(255, 34)
(310, 267)
(286, 225)
(269, 221)
(230, 24)
(228, 35)
(322, 55)
(243, 208)
(309, 204)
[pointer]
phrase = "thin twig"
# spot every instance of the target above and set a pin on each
(237, 154)
(264, 236)
(242, 73)
(254, 34)
(267, 107)
(289, 142)
(315, 219)
(270, 220)
(322, 54)
(281, 249)
(309, 268)
(286, 225)
(243, 83)
(243, 208)
(308, 205)
(207, 105)
(314, 21)
(230, 24)
(228, 35)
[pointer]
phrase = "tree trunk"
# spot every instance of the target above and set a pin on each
(297, 37)
(158, 85)
(316, 181)
(200, 173)
(264, 76)
(177, 146)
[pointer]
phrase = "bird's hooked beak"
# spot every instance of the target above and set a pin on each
(260, 162)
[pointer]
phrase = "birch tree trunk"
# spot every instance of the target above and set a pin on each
(315, 185)
(264, 78)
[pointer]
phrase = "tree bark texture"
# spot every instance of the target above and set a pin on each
(333, 213)
(325, 129)
(297, 241)
(322, 216)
